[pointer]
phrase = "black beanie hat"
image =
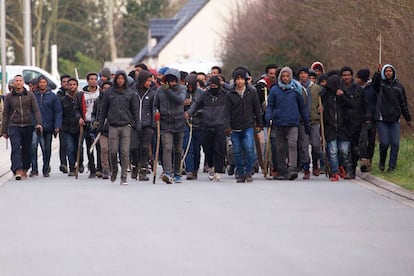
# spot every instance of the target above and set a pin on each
(363, 74)
(170, 78)
(215, 80)
(41, 77)
(240, 73)
(303, 69)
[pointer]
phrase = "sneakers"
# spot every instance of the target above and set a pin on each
(342, 171)
(364, 165)
(230, 170)
(334, 177)
(19, 174)
(390, 170)
(306, 175)
(292, 175)
(210, 174)
(92, 175)
(63, 168)
(134, 172)
(98, 174)
(81, 168)
(71, 173)
(46, 174)
(33, 173)
(167, 178)
(349, 175)
(124, 182)
(105, 175)
(177, 178)
(113, 176)
(249, 178)
(217, 177)
(240, 179)
(195, 175)
(142, 176)
(189, 176)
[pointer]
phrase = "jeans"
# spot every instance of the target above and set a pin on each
(90, 135)
(339, 154)
(192, 160)
(20, 139)
(389, 135)
(172, 143)
(71, 145)
(214, 144)
(243, 151)
(45, 141)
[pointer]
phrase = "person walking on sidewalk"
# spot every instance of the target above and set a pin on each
(20, 110)
(51, 110)
(120, 109)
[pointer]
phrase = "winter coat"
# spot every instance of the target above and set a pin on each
(391, 99)
(170, 104)
(243, 112)
(334, 111)
(286, 108)
(370, 101)
(96, 113)
(196, 118)
(72, 112)
(51, 110)
(19, 109)
(120, 106)
(354, 108)
(213, 109)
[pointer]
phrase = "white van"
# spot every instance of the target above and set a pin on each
(28, 73)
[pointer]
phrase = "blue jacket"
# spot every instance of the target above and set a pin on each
(51, 110)
(286, 108)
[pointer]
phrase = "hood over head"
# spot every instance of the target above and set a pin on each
(143, 77)
(383, 71)
(117, 74)
(192, 80)
(334, 82)
(172, 72)
(318, 66)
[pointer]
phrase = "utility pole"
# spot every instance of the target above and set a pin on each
(110, 28)
(27, 25)
(3, 45)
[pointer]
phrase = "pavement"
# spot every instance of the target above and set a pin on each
(62, 226)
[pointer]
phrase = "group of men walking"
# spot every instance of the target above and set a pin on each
(284, 123)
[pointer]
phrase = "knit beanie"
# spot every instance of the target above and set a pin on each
(303, 69)
(363, 74)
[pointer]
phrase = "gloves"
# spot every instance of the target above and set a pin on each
(227, 131)
(95, 125)
(157, 116)
(307, 129)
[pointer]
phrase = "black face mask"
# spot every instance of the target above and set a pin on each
(214, 91)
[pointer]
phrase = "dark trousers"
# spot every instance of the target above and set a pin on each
(62, 149)
(21, 140)
(367, 141)
(89, 137)
(140, 145)
(214, 145)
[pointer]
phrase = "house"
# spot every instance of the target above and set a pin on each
(193, 39)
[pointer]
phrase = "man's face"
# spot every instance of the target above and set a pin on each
(42, 85)
(312, 78)
(271, 74)
(93, 80)
(358, 81)
(389, 74)
(148, 83)
(303, 77)
(120, 81)
(201, 77)
(347, 77)
(172, 84)
(215, 72)
(137, 71)
(285, 77)
(105, 87)
(18, 83)
(240, 82)
(64, 83)
(318, 71)
(73, 86)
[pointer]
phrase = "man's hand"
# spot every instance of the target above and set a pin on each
(157, 116)
(187, 116)
(56, 132)
(5, 135)
(339, 92)
(320, 109)
(188, 101)
(95, 125)
(39, 129)
(81, 122)
(258, 129)
(227, 131)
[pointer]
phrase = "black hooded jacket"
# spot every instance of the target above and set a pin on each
(120, 105)
(334, 111)
(145, 99)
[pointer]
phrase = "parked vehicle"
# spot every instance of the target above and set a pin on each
(28, 73)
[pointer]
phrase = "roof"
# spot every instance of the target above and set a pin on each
(166, 29)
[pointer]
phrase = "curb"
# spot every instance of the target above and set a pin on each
(386, 185)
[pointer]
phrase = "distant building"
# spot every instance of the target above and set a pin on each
(193, 39)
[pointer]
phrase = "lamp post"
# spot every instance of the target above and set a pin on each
(3, 45)
(27, 25)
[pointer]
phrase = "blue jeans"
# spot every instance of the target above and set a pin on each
(243, 151)
(339, 154)
(20, 139)
(389, 135)
(45, 141)
(192, 160)
(71, 144)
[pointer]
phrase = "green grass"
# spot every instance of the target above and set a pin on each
(404, 173)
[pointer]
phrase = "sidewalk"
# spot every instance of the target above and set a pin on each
(4, 156)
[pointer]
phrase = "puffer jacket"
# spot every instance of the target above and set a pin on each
(213, 109)
(170, 103)
(145, 100)
(19, 110)
(72, 112)
(354, 108)
(51, 110)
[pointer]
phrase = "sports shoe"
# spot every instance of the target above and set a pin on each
(92, 175)
(98, 174)
(33, 173)
(217, 177)
(292, 175)
(240, 179)
(177, 178)
(230, 170)
(19, 174)
(189, 176)
(364, 165)
(81, 168)
(113, 176)
(210, 174)
(390, 170)
(249, 178)
(195, 175)
(124, 182)
(63, 168)
(46, 174)
(342, 171)
(334, 177)
(306, 174)
(134, 172)
(71, 173)
(105, 175)
(167, 178)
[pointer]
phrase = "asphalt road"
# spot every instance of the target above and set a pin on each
(62, 226)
